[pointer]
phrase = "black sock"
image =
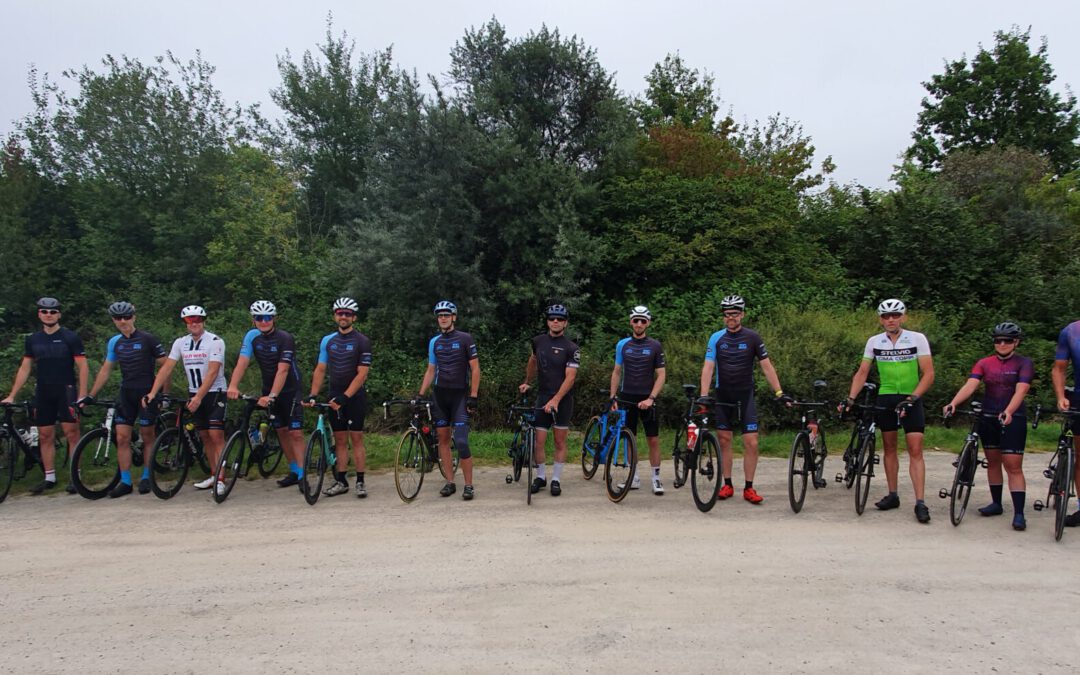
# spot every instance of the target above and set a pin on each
(995, 493)
(727, 481)
(359, 476)
(894, 494)
(339, 476)
(1018, 497)
(749, 484)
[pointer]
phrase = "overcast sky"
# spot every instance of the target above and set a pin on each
(849, 72)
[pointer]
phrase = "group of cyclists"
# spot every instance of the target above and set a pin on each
(902, 357)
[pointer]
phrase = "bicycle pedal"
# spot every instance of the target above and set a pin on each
(1049, 473)
(984, 464)
(839, 478)
(956, 462)
(877, 459)
(943, 493)
(1038, 505)
(820, 483)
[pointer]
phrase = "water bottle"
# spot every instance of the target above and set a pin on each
(264, 431)
(33, 441)
(256, 437)
(24, 434)
(691, 435)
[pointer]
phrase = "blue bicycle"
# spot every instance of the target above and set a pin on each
(319, 454)
(608, 440)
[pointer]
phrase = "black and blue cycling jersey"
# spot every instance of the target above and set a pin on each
(137, 354)
(268, 350)
(734, 354)
(639, 359)
(343, 354)
(451, 353)
(553, 356)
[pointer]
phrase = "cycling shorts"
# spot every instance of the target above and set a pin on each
(54, 403)
(648, 417)
(286, 411)
(914, 422)
(448, 407)
(350, 417)
(211, 412)
(560, 419)
(1010, 440)
(129, 408)
(726, 418)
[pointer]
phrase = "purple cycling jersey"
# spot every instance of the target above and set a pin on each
(1068, 348)
(1001, 377)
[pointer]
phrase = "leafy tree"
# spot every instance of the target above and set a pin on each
(1002, 96)
(675, 94)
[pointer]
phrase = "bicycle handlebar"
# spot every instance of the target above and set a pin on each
(412, 403)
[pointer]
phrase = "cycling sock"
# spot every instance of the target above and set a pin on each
(294, 467)
(50, 476)
(727, 481)
(995, 493)
(749, 484)
(146, 472)
(656, 472)
(541, 471)
(920, 501)
(359, 476)
(894, 494)
(125, 477)
(340, 477)
(1018, 497)
(556, 471)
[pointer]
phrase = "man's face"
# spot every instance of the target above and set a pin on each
(344, 318)
(639, 325)
(49, 317)
(195, 325)
(124, 323)
(556, 325)
(733, 318)
(264, 322)
(446, 321)
(892, 321)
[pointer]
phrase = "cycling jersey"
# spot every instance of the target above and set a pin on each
(343, 353)
(196, 354)
(734, 354)
(270, 349)
(897, 363)
(54, 355)
(1001, 378)
(639, 358)
(1068, 348)
(137, 355)
(553, 356)
(451, 353)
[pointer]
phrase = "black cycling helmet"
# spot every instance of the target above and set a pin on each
(48, 303)
(121, 308)
(1007, 329)
(558, 311)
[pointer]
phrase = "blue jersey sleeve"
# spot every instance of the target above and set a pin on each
(1063, 353)
(618, 350)
(110, 351)
(710, 351)
(431, 350)
(323, 358)
(246, 348)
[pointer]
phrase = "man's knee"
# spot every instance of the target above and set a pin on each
(461, 440)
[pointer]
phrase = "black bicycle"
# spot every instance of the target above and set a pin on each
(703, 459)
(13, 444)
(807, 459)
(681, 449)
(95, 468)
(1060, 470)
(175, 451)
(967, 463)
(254, 443)
(418, 450)
(522, 445)
(860, 456)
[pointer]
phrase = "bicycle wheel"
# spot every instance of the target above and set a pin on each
(231, 465)
(530, 462)
(591, 446)
(409, 466)
(963, 479)
(199, 452)
(169, 463)
(817, 447)
(620, 466)
(864, 471)
(270, 454)
(798, 470)
(8, 453)
(314, 467)
(678, 458)
(1062, 483)
(94, 468)
(705, 471)
(517, 457)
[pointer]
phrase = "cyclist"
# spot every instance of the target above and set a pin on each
(554, 362)
(56, 351)
(137, 352)
(638, 376)
(1008, 377)
(203, 356)
(453, 368)
(274, 351)
(1068, 349)
(346, 354)
(906, 371)
(729, 366)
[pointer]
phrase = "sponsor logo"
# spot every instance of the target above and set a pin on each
(742, 345)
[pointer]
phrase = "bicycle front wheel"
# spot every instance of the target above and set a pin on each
(705, 471)
(621, 466)
(864, 471)
(1062, 483)
(963, 478)
(168, 464)
(409, 466)
(94, 468)
(314, 467)
(8, 453)
(798, 470)
(231, 465)
(678, 458)
(590, 448)
(530, 462)
(270, 454)
(817, 447)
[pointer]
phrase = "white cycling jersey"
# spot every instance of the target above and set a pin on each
(196, 355)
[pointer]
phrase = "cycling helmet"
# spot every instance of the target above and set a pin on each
(263, 307)
(733, 302)
(346, 303)
(121, 308)
(557, 310)
(891, 306)
(443, 306)
(640, 312)
(48, 303)
(1007, 329)
(192, 310)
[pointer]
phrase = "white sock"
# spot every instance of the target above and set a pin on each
(656, 472)
(556, 473)
(541, 471)
(50, 476)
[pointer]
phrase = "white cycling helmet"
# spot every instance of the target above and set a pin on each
(640, 312)
(891, 306)
(733, 302)
(192, 310)
(263, 307)
(443, 306)
(346, 303)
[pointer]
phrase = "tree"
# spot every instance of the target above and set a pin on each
(675, 94)
(1002, 96)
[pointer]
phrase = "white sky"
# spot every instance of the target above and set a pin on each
(849, 72)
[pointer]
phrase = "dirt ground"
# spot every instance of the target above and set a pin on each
(265, 583)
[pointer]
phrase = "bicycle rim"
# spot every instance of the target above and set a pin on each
(530, 440)
(231, 465)
(409, 466)
(798, 470)
(1061, 492)
(270, 454)
(94, 468)
(705, 471)
(590, 449)
(620, 467)
(314, 467)
(820, 453)
(7, 466)
(678, 458)
(168, 465)
(864, 472)
(962, 482)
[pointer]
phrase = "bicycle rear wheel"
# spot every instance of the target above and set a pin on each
(270, 454)
(94, 468)
(409, 466)
(530, 462)
(1062, 484)
(314, 467)
(864, 471)
(590, 448)
(168, 464)
(8, 453)
(517, 457)
(820, 452)
(705, 471)
(621, 466)
(963, 479)
(231, 465)
(678, 458)
(798, 470)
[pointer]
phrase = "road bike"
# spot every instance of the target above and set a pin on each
(967, 463)
(703, 459)
(806, 463)
(681, 448)
(319, 454)
(522, 445)
(175, 451)
(254, 443)
(608, 440)
(13, 444)
(94, 466)
(1060, 470)
(860, 456)
(418, 450)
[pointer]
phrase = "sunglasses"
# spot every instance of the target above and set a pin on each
(443, 315)
(556, 318)
(891, 315)
(263, 318)
(732, 315)
(1004, 341)
(344, 312)
(123, 317)
(194, 319)
(48, 311)
(639, 320)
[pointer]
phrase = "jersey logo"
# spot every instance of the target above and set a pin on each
(136, 346)
(742, 345)
(348, 348)
(646, 352)
(723, 345)
(455, 345)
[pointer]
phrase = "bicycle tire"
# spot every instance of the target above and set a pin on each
(591, 446)
(705, 471)
(517, 457)
(820, 453)
(851, 459)
(1063, 480)
(530, 462)
(620, 466)
(270, 454)
(314, 467)
(864, 465)
(168, 464)
(8, 453)
(678, 458)
(230, 465)
(963, 479)
(94, 466)
(410, 463)
(198, 452)
(798, 470)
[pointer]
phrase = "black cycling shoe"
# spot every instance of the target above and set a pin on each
(888, 502)
(556, 489)
(992, 509)
(538, 484)
(144, 486)
(467, 494)
(290, 479)
(43, 486)
(448, 489)
(120, 490)
(1019, 522)
(1072, 520)
(922, 513)
(70, 489)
